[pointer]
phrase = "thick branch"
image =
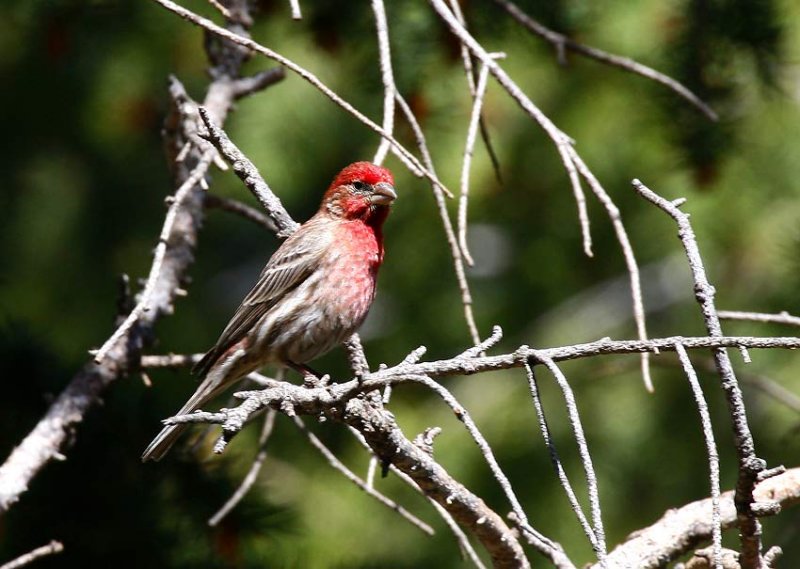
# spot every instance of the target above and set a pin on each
(388, 442)
(175, 255)
(681, 530)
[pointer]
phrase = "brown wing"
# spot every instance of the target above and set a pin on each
(293, 262)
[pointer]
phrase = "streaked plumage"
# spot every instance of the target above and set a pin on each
(314, 292)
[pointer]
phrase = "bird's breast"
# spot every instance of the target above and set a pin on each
(355, 267)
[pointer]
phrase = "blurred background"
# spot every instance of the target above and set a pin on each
(83, 181)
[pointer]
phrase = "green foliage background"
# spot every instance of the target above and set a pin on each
(83, 180)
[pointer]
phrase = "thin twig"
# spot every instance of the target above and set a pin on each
(749, 463)
(461, 537)
(543, 544)
(562, 141)
(212, 201)
(630, 260)
(249, 84)
(478, 349)
(222, 9)
(143, 305)
(555, 459)
(43, 551)
(207, 24)
(356, 356)
(472, 130)
(599, 543)
(296, 13)
(562, 42)
(249, 174)
(469, 71)
(452, 241)
(711, 450)
(252, 474)
(389, 88)
(572, 163)
(355, 479)
(780, 318)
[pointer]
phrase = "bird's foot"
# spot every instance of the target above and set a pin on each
(311, 378)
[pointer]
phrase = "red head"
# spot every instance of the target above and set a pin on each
(361, 191)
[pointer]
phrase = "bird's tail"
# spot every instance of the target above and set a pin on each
(169, 434)
(163, 442)
(219, 376)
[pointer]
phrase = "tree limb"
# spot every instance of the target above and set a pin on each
(682, 529)
(174, 256)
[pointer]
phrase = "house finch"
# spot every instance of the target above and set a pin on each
(313, 294)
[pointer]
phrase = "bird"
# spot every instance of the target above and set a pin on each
(314, 292)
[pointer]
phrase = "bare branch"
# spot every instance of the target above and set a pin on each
(542, 544)
(145, 299)
(44, 442)
(780, 318)
(469, 70)
(296, 13)
(387, 441)
(562, 42)
(358, 481)
(355, 352)
(461, 537)
(252, 474)
(471, 365)
(554, 458)
(749, 463)
(43, 551)
(169, 360)
(207, 24)
(389, 88)
(630, 260)
(561, 140)
(226, 204)
(681, 530)
(572, 163)
(474, 351)
(222, 9)
(599, 541)
(244, 86)
(472, 130)
(452, 241)
(249, 174)
(711, 450)
(338, 403)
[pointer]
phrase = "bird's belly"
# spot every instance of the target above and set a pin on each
(327, 312)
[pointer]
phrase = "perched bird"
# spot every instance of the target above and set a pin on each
(314, 292)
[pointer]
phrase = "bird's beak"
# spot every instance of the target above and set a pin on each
(382, 194)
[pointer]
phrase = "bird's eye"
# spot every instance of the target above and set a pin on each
(360, 186)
